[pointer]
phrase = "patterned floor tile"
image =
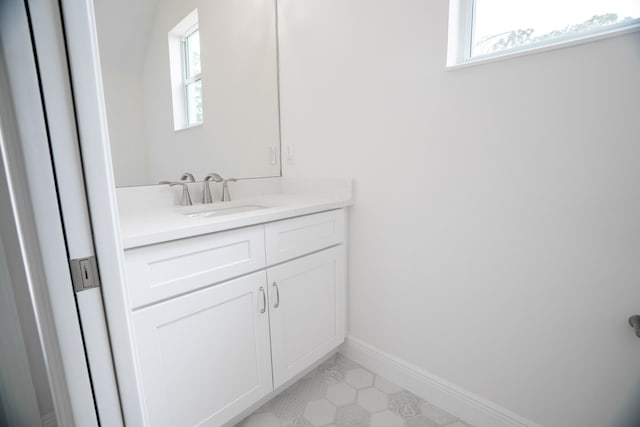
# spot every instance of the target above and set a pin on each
(435, 414)
(352, 416)
(341, 393)
(330, 373)
(300, 422)
(286, 407)
(404, 404)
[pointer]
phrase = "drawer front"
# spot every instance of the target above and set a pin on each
(292, 238)
(165, 270)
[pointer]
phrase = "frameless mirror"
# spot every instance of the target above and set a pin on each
(190, 85)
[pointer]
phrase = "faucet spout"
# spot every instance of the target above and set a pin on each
(206, 190)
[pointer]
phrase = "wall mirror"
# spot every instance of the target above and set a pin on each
(190, 85)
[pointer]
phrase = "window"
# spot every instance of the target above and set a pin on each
(485, 28)
(186, 72)
(192, 77)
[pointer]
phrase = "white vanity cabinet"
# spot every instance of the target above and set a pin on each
(219, 345)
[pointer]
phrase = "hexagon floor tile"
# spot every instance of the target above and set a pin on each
(320, 412)
(341, 393)
(386, 419)
(372, 399)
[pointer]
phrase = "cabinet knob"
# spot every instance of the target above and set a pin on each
(276, 304)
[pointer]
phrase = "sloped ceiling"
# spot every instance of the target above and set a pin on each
(124, 27)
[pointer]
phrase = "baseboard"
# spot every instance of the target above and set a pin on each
(49, 419)
(456, 400)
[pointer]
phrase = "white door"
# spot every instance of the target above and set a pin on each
(204, 357)
(307, 300)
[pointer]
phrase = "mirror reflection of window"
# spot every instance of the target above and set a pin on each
(192, 77)
(186, 72)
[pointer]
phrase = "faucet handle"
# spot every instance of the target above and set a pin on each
(186, 197)
(226, 197)
(187, 177)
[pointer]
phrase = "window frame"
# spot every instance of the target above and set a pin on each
(462, 21)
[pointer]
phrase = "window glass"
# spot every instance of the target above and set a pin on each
(194, 102)
(192, 52)
(510, 24)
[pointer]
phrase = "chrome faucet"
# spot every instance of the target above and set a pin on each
(206, 191)
(188, 177)
(226, 197)
(185, 179)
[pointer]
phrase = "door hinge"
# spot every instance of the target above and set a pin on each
(84, 273)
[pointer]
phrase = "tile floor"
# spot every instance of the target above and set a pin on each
(342, 393)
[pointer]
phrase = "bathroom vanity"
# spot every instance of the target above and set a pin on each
(227, 307)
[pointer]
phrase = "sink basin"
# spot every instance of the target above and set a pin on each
(212, 211)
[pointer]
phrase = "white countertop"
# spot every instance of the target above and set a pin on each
(141, 227)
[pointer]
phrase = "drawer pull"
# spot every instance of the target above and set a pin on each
(277, 303)
(264, 300)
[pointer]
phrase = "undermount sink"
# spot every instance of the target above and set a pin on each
(212, 211)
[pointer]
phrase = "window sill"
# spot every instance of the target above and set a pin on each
(189, 127)
(614, 32)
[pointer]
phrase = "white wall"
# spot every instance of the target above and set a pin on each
(123, 39)
(129, 148)
(496, 233)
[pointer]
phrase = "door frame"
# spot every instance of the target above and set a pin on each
(84, 61)
(48, 38)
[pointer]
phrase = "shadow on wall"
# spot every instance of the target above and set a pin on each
(630, 412)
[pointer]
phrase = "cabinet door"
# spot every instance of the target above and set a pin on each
(205, 357)
(307, 303)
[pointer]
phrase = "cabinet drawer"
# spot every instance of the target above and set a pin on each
(162, 271)
(292, 238)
